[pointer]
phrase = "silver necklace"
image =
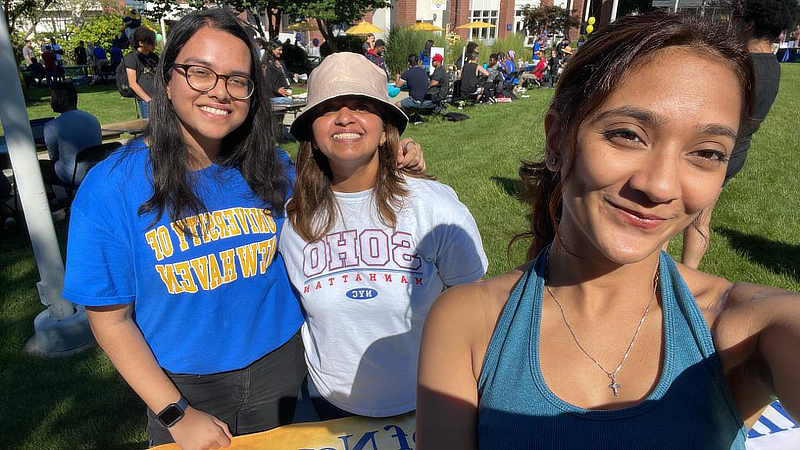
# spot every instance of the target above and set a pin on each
(612, 375)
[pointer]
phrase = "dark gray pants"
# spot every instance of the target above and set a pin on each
(256, 398)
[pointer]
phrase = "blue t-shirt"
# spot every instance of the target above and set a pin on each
(116, 54)
(67, 135)
(206, 303)
(417, 80)
(99, 53)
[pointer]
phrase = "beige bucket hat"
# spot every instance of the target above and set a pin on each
(346, 74)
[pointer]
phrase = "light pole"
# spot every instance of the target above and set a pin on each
(61, 327)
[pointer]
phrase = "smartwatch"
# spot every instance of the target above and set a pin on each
(173, 412)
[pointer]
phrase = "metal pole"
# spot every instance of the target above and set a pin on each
(676, 6)
(163, 33)
(614, 6)
(588, 10)
(51, 336)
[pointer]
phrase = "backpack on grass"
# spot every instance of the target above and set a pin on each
(455, 117)
(121, 78)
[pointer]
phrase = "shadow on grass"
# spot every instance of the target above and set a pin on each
(511, 186)
(779, 257)
(72, 402)
(75, 402)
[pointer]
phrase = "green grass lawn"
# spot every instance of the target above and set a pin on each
(80, 401)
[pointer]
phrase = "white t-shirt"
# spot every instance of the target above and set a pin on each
(366, 289)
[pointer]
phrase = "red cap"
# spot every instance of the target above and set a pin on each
(438, 57)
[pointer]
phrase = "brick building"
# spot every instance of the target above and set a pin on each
(506, 15)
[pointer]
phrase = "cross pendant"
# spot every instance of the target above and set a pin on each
(614, 386)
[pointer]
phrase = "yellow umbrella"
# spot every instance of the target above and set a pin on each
(363, 28)
(476, 24)
(302, 26)
(426, 26)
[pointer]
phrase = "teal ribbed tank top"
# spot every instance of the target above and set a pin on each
(690, 407)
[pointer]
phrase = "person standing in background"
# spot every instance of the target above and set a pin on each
(140, 66)
(369, 44)
(99, 54)
(81, 57)
(59, 52)
(27, 52)
(376, 57)
(116, 56)
(49, 60)
(425, 56)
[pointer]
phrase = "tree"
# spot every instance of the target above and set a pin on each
(271, 10)
(537, 18)
(24, 13)
(329, 13)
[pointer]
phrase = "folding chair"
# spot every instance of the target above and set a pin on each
(91, 156)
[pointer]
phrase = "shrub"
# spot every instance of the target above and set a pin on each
(103, 29)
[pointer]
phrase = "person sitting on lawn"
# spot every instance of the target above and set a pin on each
(66, 136)
(537, 74)
(438, 79)
(473, 77)
(37, 70)
(417, 80)
(495, 70)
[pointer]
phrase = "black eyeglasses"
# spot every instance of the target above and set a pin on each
(204, 79)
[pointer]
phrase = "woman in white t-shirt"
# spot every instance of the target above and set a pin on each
(369, 246)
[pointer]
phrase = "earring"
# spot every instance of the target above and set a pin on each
(553, 161)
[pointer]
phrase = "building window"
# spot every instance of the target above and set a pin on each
(488, 16)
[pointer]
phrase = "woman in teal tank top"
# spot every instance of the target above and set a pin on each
(602, 341)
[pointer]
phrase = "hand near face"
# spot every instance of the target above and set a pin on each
(410, 156)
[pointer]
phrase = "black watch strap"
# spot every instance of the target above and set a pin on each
(173, 412)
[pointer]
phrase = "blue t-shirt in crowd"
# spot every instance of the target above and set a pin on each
(116, 54)
(67, 135)
(209, 302)
(99, 52)
(417, 80)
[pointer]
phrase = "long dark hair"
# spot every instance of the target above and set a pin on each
(591, 77)
(250, 148)
(313, 209)
(428, 45)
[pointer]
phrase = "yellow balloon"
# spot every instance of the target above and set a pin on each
(589, 29)
(591, 20)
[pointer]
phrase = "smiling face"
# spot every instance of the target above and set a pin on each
(207, 117)
(348, 131)
(650, 158)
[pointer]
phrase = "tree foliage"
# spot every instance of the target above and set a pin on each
(537, 18)
(101, 29)
(329, 13)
